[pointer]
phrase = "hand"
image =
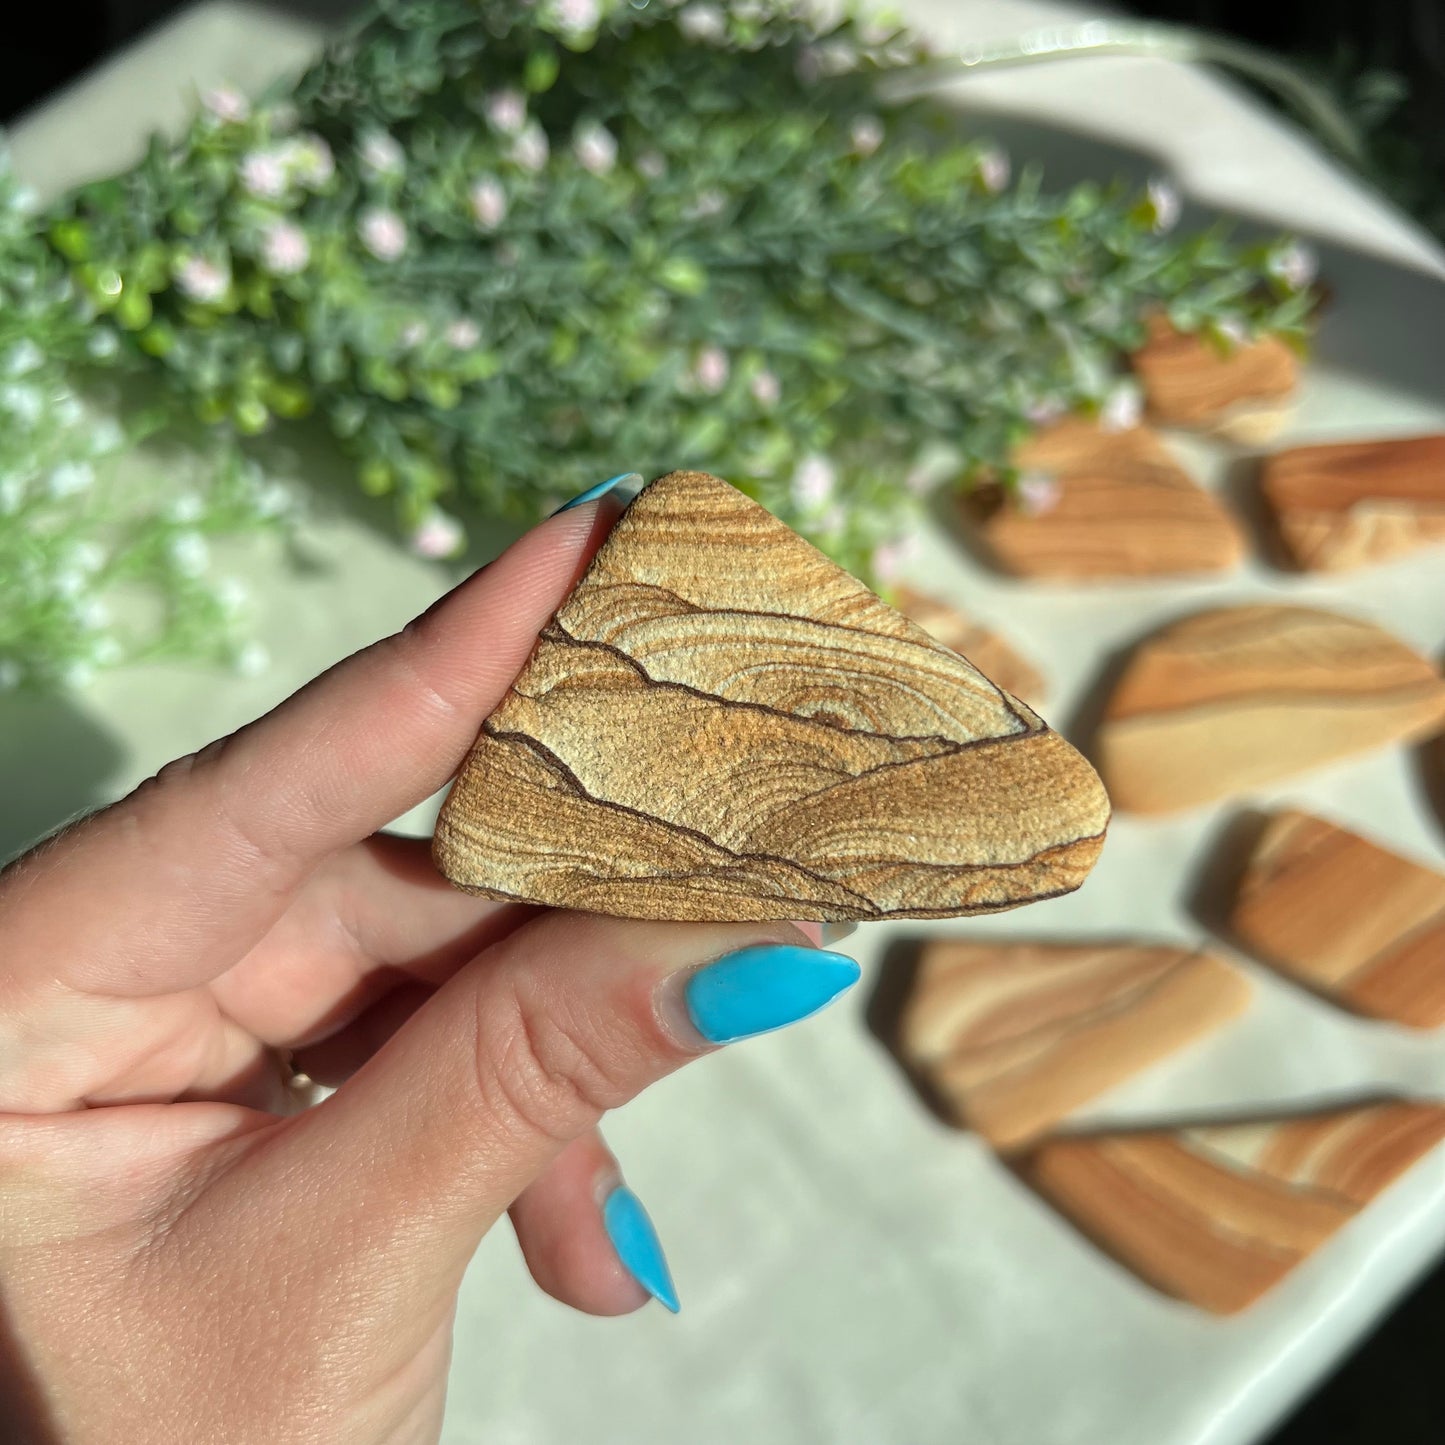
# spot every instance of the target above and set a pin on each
(189, 1254)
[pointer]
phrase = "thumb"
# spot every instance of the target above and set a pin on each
(520, 1053)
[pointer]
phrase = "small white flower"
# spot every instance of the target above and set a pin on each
(85, 556)
(919, 481)
(651, 165)
(893, 557)
(813, 482)
(595, 148)
(994, 170)
(24, 403)
(230, 595)
(381, 154)
(70, 478)
(281, 117)
(263, 174)
(310, 160)
(383, 233)
(576, 17)
(23, 357)
(463, 334)
(1164, 202)
(185, 509)
(1295, 264)
(766, 389)
(69, 583)
(710, 369)
(10, 674)
(12, 493)
(285, 250)
(273, 499)
(106, 651)
(77, 674)
(102, 343)
(506, 111)
(1038, 493)
(189, 554)
(530, 150)
(1123, 408)
(707, 205)
(24, 200)
(252, 660)
(703, 24)
(866, 134)
(1043, 410)
(488, 202)
(829, 57)
(440, 535)
(106, 435)
(202, 279)
(227, 104)
(1231, 329)
(413, 334)
(92, 614)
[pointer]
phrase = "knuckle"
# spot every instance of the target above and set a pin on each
(544, 1068)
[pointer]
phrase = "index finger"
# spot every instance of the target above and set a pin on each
(169, 887)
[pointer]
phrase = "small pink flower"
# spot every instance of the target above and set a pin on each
(813, 482)
(506, 111)
(702, 24)
(1164, 202)
(595, 148)
(227, 104)
(651, 165)
(892, 557)
(488, 202)
(263, 174)
(285, 249)
(766, 389)
(1043, 410)
(1123, 408)
(383, 233)
(463, 334)
(440, 535)
(311, 160)
(994, 170)
(1038, 493)
(710, 369)
(866, 134)
(576, 17)
(1295, 264)
(203, 280)
(381, 154)
(530, 150)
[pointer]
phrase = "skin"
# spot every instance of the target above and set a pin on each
(190, 1249)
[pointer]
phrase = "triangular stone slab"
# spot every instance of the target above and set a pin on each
(1011, 1037)
(720, 723)
(1217, 1215)
(1231, 699)
(1349, 504)
(1346, 917)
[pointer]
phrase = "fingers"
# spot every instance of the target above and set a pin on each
(520, 1054)
(180, 879)
(559, 1224)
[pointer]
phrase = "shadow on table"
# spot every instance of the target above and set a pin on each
(55, 761)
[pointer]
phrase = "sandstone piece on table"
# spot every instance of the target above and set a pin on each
(1349, 504)
(1217, 1215)
(1012, 1037)
(987, 650)
(720, 723)
(1230, 699)
(1097, 505)
(1242, 394)
(1347, 917)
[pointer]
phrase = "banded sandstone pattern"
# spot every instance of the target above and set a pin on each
(1348, 918)
(720, 723)
(1218, 1215)
(1014, 1036)
(1227, 700)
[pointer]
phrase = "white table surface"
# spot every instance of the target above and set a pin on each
(852, 1271)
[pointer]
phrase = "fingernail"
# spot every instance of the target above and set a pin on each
(763, 988)
(600, 490)
(837, 932)
(638, 1246)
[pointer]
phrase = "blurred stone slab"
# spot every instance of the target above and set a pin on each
(987, 650)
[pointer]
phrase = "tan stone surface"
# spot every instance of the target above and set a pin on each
(990, 652)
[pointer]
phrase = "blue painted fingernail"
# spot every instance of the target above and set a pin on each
(763, 988)
(600, 490)
(638, 1246)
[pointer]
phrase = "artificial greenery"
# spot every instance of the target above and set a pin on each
(501, 252)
